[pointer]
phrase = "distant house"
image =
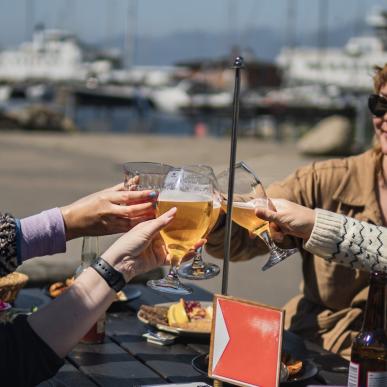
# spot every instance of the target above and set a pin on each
(219, 74)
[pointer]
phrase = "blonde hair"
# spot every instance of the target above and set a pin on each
(380, 77)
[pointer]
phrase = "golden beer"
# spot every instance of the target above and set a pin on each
(189, 224)
(214, 217)
(243, 213)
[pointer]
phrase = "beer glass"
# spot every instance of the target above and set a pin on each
(249, 194)
(198, 269)
(191, 194)
(143, 175)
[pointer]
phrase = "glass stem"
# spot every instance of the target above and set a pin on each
(265, 236)
(172, 274)
(197, 262)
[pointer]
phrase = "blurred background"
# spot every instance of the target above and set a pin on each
(88, 85)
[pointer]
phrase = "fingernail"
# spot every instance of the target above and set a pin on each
(154, 204)
(153, 194)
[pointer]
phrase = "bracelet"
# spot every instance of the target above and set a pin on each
(113, 277)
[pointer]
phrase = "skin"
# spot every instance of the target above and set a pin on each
(289, 219)
(110, 211)
(63, 322)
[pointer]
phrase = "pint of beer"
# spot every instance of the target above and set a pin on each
(191, 221)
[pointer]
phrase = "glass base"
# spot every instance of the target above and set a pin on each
(202, 272)
(277, 256)
(165, 285)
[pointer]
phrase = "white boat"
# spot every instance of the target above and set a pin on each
(53, 55)
(350, 68)
(189, 94)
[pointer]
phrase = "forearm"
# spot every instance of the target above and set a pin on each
(62, 323)
(348, 241)
(42, 234)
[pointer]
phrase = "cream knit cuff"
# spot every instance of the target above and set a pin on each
(326, 233)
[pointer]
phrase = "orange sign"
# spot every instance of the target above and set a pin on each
(246, 342)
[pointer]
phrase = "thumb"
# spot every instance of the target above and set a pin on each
(155, 225)
(266, 214)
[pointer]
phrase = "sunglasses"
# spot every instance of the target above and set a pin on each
(377, 105)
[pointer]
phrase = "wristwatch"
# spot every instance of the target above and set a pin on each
(113, 277)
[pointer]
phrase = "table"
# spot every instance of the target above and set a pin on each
(126, 359)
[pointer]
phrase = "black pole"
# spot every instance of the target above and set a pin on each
(238, 64)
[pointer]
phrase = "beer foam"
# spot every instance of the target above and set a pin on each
(181, 196)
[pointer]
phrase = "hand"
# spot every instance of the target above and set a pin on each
(289, 219)
(109, 211)
(141, 249)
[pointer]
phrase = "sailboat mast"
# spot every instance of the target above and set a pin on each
(29, 19)
(131, 32)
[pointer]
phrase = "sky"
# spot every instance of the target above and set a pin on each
(97, 20)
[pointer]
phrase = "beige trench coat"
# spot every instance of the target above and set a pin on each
(329, 309)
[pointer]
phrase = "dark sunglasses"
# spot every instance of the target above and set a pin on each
(377, 105)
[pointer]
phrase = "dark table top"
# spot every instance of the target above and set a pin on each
(127, 359)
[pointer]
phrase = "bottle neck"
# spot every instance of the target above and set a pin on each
(376, 309)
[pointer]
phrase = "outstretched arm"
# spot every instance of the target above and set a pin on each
(329, 235)
(110, 211)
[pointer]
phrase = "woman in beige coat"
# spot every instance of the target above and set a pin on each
(329, 308)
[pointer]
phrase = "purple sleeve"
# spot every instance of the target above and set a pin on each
(42, 234)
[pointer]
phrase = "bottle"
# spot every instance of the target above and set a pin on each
(368, 367)
(90, 251)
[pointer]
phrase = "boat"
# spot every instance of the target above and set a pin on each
(52, 55)
(189, 94)
(350, 68)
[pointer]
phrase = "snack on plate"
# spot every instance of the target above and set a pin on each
(154, 314)
(294, 366)
(190, 315)
(121, 296)
(57, 288)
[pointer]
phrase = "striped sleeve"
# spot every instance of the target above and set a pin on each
(348, 241)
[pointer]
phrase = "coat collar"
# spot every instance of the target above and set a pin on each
(358, 187)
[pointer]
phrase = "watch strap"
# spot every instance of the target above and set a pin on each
(113, 277)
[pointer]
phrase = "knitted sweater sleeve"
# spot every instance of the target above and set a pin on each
(348, 241)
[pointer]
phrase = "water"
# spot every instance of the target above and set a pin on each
(149, 121)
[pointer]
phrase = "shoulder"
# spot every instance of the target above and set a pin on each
(337, 166)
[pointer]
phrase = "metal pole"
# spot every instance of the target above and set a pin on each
(238, 64)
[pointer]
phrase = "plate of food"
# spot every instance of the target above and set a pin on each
(292, 370)
(297, 370)
(181, 318)
(57, 288)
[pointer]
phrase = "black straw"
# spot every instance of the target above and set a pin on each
(238, 64)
